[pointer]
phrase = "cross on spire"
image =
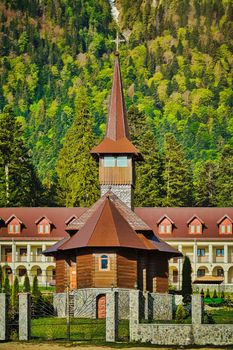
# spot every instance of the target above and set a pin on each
(117, 41)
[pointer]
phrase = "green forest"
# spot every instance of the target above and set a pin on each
(56, 66)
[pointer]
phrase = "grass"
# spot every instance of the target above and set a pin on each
(222, 316)
(81, 329)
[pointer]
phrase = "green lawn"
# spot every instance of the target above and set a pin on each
(49, 328)
(223, 315)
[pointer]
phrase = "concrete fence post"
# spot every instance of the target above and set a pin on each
(3, 323)
(24, 316)
(111, 316)
(197, 309)
(134, 314)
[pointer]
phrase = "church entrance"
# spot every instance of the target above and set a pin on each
(101, 306)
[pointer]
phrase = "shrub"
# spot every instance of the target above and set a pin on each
(222, 295)
(215, 295)
(181, 314)
(202, 291)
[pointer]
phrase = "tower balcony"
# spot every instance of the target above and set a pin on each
(116, 175)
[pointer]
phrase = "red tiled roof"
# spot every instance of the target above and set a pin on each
(180, 217)
(29, 216)
(117, 138)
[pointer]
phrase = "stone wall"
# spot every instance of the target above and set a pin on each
(177, 334)
(160, 306)
(60, 304)
(3, 325)
(124, 192)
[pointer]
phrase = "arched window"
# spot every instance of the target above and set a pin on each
(104, 262)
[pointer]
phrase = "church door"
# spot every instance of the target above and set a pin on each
(101, 306)
(73, 276)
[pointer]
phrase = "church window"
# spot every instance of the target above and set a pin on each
(104, 262)
(109, 162)
(122, 162)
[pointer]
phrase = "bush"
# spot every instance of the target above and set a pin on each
(181, 314)
(186, 277)
(202, 292)
(215, 295)
(222, 295)
(207, 293)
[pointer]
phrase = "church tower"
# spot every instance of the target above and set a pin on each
(116, 153)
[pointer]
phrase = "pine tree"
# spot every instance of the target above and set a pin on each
(76, 169)
(148, 172)
(14, 294)
(176, 174)
(6, 286)
(224, 181)
(35, 288)
(19, 185)
(186, 278)
(26, 284)
(205, 176)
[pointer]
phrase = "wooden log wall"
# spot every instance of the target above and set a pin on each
(126, 269)
(61, 273)
(104, 278)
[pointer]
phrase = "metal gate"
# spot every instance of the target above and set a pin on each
(45, 325)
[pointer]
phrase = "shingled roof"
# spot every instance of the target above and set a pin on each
(117, 138)
(130, 216)
(110, 223)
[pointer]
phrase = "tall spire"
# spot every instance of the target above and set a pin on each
(117, 126)
(117, 138)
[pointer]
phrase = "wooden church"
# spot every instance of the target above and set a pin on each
(109, 246)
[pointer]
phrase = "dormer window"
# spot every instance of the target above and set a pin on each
(195, 225)
(225, 225)
(13, 225)
(43, 225)
(165, 225)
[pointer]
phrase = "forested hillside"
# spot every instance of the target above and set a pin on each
(177, 72)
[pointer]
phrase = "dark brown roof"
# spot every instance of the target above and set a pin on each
(106, 227)
(117, 138)
(181, 216)
(209, 280)
(29, 216)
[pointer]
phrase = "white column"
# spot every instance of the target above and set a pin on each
(13, 251)
(210, 253)
(180, 260)
(225, 253)
(28, 253)
(195, 259)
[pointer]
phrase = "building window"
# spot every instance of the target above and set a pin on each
(220, 272)
(200, 272)
(23, 251)
(14, 228)
(109, 162)
(195, 227)
(122, 162)
(39, 251)
(22, 272)
(219, 252)
(161, 229)
(44, 227)
(104, 262)
(165, 227)
(200, 252)
(225, 227)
